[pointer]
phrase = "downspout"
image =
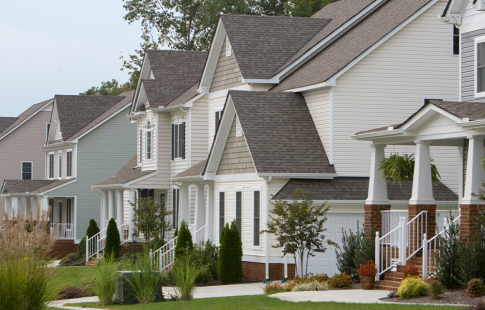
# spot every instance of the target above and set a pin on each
(266, 235)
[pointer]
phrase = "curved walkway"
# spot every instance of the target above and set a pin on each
(350, 296)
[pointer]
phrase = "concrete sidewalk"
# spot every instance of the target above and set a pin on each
(349, 296)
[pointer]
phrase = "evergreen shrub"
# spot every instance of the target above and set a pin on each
(475, 288)
(81, 248)
(184, 240)
(436, 289)
(230, 255)
(113, 241)
(93, 229)
(413, 287)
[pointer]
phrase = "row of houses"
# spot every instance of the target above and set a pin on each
(273, 107)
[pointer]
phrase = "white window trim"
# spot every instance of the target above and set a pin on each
(31, 169)
(178, 121)
(256, 248)
(219, 191)
(241, 190)
(147, 130)
(475, 84)
(453, 40)
(49, 166)
(59, 165)
(72, 164)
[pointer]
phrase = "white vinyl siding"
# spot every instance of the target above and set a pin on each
(216, 104)
(199, 128)
(319, 106)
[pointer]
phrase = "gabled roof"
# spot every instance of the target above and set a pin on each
(355, 188)
(5, 122)
(352, 44)
(175, 73)
(195, 171)
(128, 173)
(21, 118)
(280, 132)
(79, 114)
(31, 186)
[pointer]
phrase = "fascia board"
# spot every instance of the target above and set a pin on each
(188, 104)
(326, 84)
(139, 179)
(142, 71)
(424, 111)
(211, 63)
(378, 134)
(57, 187)
(274, 80)
(299, 175)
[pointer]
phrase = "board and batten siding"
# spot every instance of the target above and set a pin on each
(389, 85)
(100, 155)
(23, 144)
(236, 158)
(468, 65)
(227, 73)
(319, 107)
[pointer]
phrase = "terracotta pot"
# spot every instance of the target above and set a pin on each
(368, 282)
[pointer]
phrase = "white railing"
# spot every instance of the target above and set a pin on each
(432, 247)
(124, 230)
(198, 237)
(192, 228)
(389, 248)
(390, 219)
(95, 245)
(416, 228)
(441, 215)
(63, 230)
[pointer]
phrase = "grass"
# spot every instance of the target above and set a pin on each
(257, 302)
(72, 276)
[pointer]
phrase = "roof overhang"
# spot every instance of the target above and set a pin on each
(212, 58)
(57, 187)
(298, 175)
(453, 13)
(144, 74)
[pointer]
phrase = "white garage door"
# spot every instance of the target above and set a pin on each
(327, 262)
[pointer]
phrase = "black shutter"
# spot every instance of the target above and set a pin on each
(173, 141)
(182, 140)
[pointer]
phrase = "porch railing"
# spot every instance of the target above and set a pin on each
(389, 247)
(96, 244)
(63, 230)
(416, 228)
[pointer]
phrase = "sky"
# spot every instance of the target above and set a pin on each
(61, 47)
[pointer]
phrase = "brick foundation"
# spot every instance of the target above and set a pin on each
(62, 248)
(257, 271)
(373, 216)
(468, 219)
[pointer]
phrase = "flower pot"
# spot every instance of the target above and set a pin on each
(368, 282)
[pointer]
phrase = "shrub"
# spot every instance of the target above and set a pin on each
(410, 271)
(311, 286)
(184, 240)
(341, 280)
(71, 292)
(412, 287)
(475, 288)
(369, 269)
(93, 229)
(275, 287)
(146, 283)
(322, 277)
(447, 259)
(436, 289)
(81, 248)
(104, 280)
(230, 255)
(392, 294)
(185, 273)
(88, 288)
(69, 259)
(113, 241)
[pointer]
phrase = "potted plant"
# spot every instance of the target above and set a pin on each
(367, 273)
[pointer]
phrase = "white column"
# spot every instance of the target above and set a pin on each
(15, 206)
(209, 232)
(184, 207)
(104, 209)
(111, 205)
(35, 207)
(8, 206)
(28, 206)
(131, 213)
(119, 207)
(422, 193)
(200, 206)
(377, 184)
(474, 171)
(45, 206)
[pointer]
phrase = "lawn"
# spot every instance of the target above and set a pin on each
(72, 276)
(257, 302)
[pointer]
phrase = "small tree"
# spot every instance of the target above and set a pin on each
(184, 240)
(298, 226)
(93, 229)
(113, 242)
(230, 255)
(150, 217)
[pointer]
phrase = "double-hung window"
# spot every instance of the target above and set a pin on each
(256, 217)
(26, 170)
(178, 140)
(69, 163)
(222, 212)
(456, 40)
(60, 164)
(480, 66)
(175, 207)
(51, 165)
(148, 142)
(239, 210)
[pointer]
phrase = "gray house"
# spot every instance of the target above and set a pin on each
(89, 138)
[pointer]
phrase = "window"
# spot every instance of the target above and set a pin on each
(178, 140)
(51, 165)
(256, 224)
(217, 120)
(60, 211)
(149, 145)
(480, 67)
(141, 140)
(69, 163)
(456, 40)
(146, 193)
(222, 203)
(228, 47)
(175, 207)
(68, 211)
(48, 126)
(51, 206)
(26, 170)
(239, 212)
(60, 165)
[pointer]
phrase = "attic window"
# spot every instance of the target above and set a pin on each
(238, 128)
(228, 47)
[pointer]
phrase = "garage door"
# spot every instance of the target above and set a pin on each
(327, 262)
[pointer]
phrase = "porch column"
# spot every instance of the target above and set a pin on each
(377, 200)
(131, 213)
(111, 204)
(470, 205)
(422, 193)
(200, 206)
(28, 207)
(35, 207)
(184, 207)
(15, 207)
(8, 206)
(209, 219)
(104, 209)
(45, 207)
(119, 210)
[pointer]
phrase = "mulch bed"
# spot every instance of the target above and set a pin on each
(217, 282)
(456, 296)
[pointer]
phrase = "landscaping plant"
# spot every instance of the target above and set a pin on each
(185, 273)
(25, 282)
(145, 281)
(298, 227)
(436, 289)
(410, 271)
(447, 259)
(93, 229)
(81, 248)
(475, 288)
(311, 286)
(71, 292)
(150, 217)
(369, 269)
(207, 256)
(275, 287)
(230, 255)
(412, 287)
(113, 242)
(104, 280)
(341, 280)
(184, 240)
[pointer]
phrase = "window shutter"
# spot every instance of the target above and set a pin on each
(173, 141)
(182, 140)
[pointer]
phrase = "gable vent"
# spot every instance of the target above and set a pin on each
(228, 47)
(238, 128)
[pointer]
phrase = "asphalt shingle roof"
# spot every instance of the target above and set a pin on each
(280, 132)
(31, 186)
(128, 173)
(5, 122)
(352, 44)
(22, 117)
(194, 171)
(355, 188)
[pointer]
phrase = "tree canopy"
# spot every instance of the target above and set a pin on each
(109, 88)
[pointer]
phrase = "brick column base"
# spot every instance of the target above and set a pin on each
(373, 216)
(468, 219)
(62, 248)
(257, 271)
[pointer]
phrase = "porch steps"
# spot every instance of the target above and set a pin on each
(392, 280)
(92, 262)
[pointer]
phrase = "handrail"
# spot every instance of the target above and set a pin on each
(96, 243)
(415, 230)
(388, 249)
